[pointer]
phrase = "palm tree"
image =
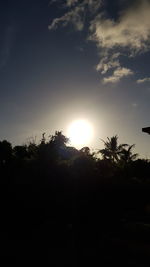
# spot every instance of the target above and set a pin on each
(126, 155)
(112, 150)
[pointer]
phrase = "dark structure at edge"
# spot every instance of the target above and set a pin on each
(146, 130)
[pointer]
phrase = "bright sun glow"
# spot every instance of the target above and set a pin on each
(80, 133)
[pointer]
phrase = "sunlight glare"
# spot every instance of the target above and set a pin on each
(80, 133)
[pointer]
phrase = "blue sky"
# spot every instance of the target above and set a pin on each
(64, 60)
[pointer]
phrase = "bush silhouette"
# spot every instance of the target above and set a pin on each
(59, 198)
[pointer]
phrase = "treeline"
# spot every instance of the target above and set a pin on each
(58, 200)
(113, 159)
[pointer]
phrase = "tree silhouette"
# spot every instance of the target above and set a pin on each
(112, 150)
(59, 140)
(85, 150)
(20, 152)
(5, 151)
(54, 149)
(126, 155)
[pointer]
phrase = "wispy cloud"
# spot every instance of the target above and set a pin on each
(74, 16)
(7, 45)
(71, 2)
(134, 105)
(76, 13)
(118, 74)
(147, 79)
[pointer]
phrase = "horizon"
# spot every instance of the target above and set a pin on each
(62, 61)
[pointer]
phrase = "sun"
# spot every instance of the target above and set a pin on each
(80, 133)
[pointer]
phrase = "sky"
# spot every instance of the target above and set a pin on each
(75, 59)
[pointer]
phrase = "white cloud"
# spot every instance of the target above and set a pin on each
(147, 79)
(129, 34)
(118, 74)
(131, 30)
(108, 62)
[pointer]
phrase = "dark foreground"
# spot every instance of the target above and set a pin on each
(63, 207)
(66, 223)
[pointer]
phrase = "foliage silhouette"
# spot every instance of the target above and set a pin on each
(5, 151)
(126, 155)
(112, 150)
(58, 200)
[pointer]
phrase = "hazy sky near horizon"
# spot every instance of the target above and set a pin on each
(67, 60)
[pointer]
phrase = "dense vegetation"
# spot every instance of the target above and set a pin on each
(72, 207)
